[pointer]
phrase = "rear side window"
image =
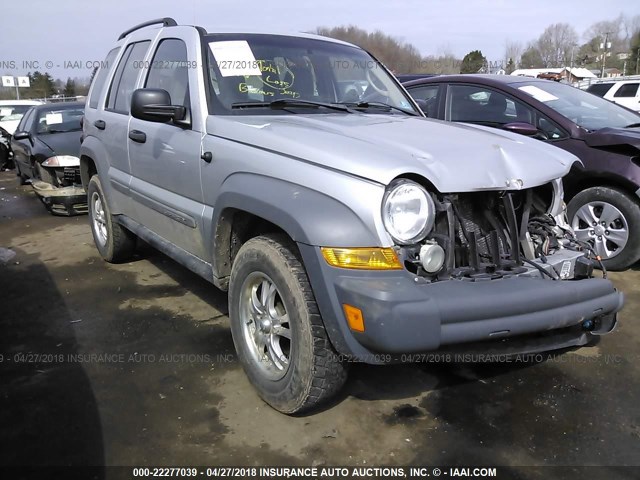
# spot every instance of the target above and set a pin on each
(170, 71)
(627, 90)
(124, 80)
(599, 89)
(101, 77)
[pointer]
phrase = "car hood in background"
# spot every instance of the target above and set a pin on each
(453, 157)
(63, 143)
(607, 137)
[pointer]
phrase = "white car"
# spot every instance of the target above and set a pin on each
(622, 92)
(11, 111)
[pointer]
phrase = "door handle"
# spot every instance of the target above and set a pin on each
(99, 124)
(138, 136)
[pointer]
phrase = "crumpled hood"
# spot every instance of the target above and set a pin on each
(62, 143)
(453, 157)
(607, 137)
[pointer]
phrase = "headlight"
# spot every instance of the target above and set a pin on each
(62, 161)
(408, 212)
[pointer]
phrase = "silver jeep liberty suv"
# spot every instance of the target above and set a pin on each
(296, 173)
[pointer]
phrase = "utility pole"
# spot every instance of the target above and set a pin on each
(604, 46)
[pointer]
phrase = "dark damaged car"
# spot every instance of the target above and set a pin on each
(603, 193)
(46, 146)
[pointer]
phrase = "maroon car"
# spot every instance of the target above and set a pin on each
(604, 193)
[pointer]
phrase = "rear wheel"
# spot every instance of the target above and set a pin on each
(114, 242)
(277, 329)
(609, 220)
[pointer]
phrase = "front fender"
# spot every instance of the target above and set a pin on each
(306, 215)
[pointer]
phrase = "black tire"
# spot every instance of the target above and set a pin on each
(46, 175)
(118, 244)
(315, 373)
(624, 256)
(5, 163)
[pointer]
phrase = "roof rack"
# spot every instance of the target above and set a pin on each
(166, 22)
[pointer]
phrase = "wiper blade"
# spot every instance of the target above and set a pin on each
(291, 102)
(381, 105)
(633, 125)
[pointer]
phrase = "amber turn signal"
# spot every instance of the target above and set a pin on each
(354, 317)
(362, 258)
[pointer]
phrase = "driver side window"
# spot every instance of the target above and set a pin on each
(26, 122)
(428, 93)
(550, 129)
(476, 104)
(170, 71)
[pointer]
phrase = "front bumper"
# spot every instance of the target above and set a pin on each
(67, 201)
(402, 315)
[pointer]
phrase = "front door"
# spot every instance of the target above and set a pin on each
(165, 158)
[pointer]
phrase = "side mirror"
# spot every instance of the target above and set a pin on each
(154, 105)
(21, 135)
(422, 104)
(522, 128)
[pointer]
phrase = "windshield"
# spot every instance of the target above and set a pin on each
(59, 120)
(260, 69)
(10, 110)
(584, 109)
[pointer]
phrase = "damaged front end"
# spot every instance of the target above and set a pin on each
(60, 186)
(488, 235)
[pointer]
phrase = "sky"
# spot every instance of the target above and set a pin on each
(71, 34)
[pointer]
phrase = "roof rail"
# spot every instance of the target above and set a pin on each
(166, 22)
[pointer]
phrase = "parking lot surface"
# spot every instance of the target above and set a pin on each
(134, 364)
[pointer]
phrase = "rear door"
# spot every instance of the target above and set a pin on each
(111, 124)
(165, 157)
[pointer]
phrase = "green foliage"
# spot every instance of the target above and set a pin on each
(531, 58)
(70, 88)
(42, 86)
(473, 62)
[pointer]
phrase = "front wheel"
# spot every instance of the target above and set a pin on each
(114, 242)
(277, 330)
(609, 220)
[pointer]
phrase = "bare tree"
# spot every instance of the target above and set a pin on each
(556, 44)
(531, 57)
(512, 52)
(630, 28)
(613, 30)
(398, 56)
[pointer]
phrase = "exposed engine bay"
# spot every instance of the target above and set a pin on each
(494, 234)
